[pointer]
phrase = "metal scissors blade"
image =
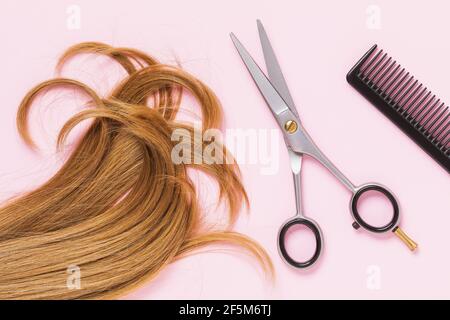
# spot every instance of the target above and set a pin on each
(275, 90)
(274, 70)
(279, 82)
(274, 100)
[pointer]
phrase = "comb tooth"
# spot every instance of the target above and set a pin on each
(407, 104)
(374, 78)
(365, 67)
(392, 82)
(444, 131)
(422, 101)
(432, 115)
(395, 87)
(422, 109)
(362, 63)
(428, 110)
(441, 131)
(402, 87)
(389, 76)
(446, 141)
(440, 119)
(402, 96)
(374, 67)
(432, 125)
(446, 145)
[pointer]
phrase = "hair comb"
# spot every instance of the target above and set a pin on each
(405, 101)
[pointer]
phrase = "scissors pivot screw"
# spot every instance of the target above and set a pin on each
(291, 126)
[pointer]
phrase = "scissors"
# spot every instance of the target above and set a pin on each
(298, 142)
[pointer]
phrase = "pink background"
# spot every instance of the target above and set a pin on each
(317, 43)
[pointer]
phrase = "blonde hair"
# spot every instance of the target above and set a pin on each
(119, 208)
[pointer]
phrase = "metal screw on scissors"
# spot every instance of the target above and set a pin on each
(298, 142)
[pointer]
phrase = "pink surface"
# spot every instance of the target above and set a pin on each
(317, 43)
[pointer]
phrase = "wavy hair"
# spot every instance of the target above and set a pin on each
(119, 208)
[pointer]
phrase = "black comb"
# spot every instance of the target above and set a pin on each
(405, 101)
